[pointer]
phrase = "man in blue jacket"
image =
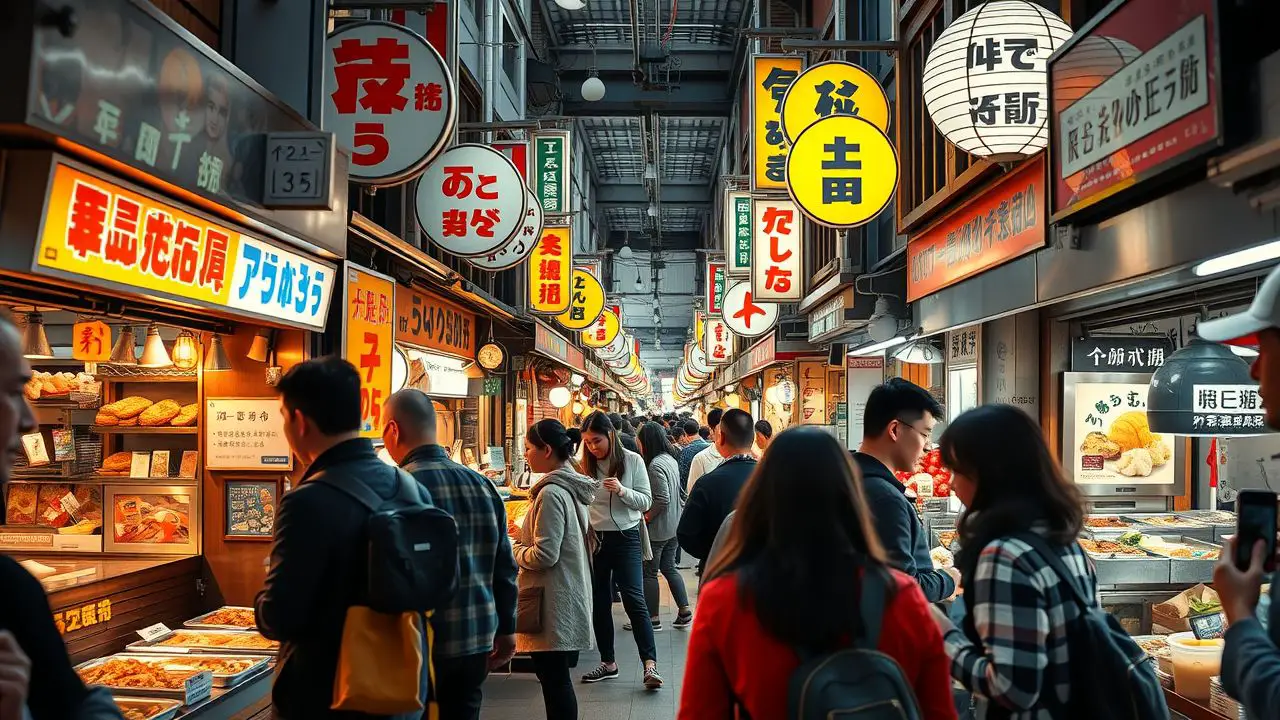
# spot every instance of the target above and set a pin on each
(897, 427)
(1251, 657)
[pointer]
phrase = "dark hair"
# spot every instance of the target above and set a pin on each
(704, 432)
(801, 533)
(737, 429)
(598, 422)
(653, 442)
(562, 441)
(764, 428)
(677, 433)
(690, 426)
(413, 410)
(326, 390)
(897, 399)
(713, 417)
(1002, 451)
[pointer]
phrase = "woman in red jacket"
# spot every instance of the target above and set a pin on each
(790, 576)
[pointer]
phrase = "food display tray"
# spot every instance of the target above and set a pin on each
(199, 621)
(170, 707)
(1145, 569)
(220, 680)
(179, 694)
(1188, 571)
(1188, 526)
(154, 646)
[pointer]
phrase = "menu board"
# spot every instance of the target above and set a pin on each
(251, 508)
(245, 434)
(1112, 442)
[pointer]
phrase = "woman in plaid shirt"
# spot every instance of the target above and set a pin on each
(1011, 652)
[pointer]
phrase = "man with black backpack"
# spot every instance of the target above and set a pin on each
(320, 560)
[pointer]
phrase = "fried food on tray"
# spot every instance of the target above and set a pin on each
(142, 709)
(1154, 645)
(1107, 547)
(186, 416)
(160, 413)
(126, 408)
(946, 537)
(1105, 522)
(135, 674)
(230, 640)
(238, 617)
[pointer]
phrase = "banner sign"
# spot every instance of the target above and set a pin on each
(717, 342)
(551, 170)
(368, 337)
(550, 269)
(771, 77)
(715, 288)
(428, 321)
(586, 301)
(471, 201)
(777, 262)
(737, 234)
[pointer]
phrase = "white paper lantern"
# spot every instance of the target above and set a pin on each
(559, 396)
(986, 79)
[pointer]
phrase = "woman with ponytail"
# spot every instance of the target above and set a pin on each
(553, 550)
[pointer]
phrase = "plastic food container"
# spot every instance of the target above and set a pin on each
(1194, 663)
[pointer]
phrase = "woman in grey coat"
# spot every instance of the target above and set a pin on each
(553, 551)
(663, 518)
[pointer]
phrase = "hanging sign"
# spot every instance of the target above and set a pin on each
(985, 80)
(813, 392)
(518, 154)
(520, 246)
(699, 320)
(744, 315)
(91, 341)
(831, 88)
(1006, 222)
(619, 348)
(698, 360)
(551, 170)
(737, 234)
(369, 333)
(1121, 353)
(428, 321)
(601, 332)
(771, 75)
(717, 343)
(586, 301)
(1112, 443)
(777, 263)
(550, 268)
(471, 201)
(715, 288)
(393, 105)
(1151, 79)
(842, 171)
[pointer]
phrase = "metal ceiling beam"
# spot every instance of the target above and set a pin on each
(575, 61)
(671, 239)
(674, 195)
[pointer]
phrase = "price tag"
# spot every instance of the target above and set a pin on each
(153, 633)
(197, 687)
(1210, 626)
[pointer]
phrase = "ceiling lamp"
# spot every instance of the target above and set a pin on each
(639, 281)
(1178, 400)
(882, 324)
(153, 353)
(625, 251)
(35, 344)
(918, 352)
(216, 359)
(123, 353)
(261, 346)
(571, 4)
(185, 354)
(593, 87)
(559, 396)
(578, 408)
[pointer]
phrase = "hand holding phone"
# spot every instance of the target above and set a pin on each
(1256, 512)
(612, 484)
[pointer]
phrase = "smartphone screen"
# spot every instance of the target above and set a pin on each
(1255, 520)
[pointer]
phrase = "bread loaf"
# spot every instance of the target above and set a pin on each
(187, 416)
(128, 422)
(103, 418)
(160, 413)
(126, 408)
(117, 462)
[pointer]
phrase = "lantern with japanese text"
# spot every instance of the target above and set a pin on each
(393, 105)
(771, 76)
(986, 79)
(586, 301)
(603, 331)
(777, 262)
(520, 246)
(550, 269)
(471, 200)
(698, 359)
(745, 315)
(842, 171)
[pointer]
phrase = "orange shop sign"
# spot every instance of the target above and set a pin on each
(1006, 222)
(550, 269)
(430, 322)
(369, 334)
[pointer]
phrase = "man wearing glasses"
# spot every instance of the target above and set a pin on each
(897, 428)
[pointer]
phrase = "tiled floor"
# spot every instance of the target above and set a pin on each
(518, 697)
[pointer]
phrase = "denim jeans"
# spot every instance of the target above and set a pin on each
(664, 561)
(552, 669)
(618, 560)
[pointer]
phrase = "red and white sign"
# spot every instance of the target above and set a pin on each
(394, 102)
(520, 246)
(717, 342)
(471, 200)
(616, 350)
(716, 280)
(777, 250)
(698, 360)
(744, 315)
(518, 154)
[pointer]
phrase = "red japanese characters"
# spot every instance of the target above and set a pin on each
(471, 201)
(746, 316)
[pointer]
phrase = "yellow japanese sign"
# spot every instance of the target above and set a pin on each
(91, 341)
(842, 171)
(586, 301)
(550, 268)
(602, 331)
(833, 88)
(771, 75)
(370, 330)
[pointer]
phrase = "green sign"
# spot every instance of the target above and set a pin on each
(738, 234)
(492, 386)
(551, 176)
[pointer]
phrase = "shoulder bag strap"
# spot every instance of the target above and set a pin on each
(1054, 560)
(359, 490)
(871, 608)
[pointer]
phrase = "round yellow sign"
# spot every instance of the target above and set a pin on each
(602, 331)
(833, 88)
(699, 326)
(586, 301)
(842, 171)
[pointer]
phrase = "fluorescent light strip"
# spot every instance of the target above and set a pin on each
(1238, 259)
(878, 347)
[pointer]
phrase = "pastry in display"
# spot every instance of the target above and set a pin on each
(20, 505)
(128, 422)
(1135, 463)
(54, 386)
(231, 616)
(229, 640)
(159, 414)
(52, 512)
(154, 519)
(186, 416)
(126, 408)
(115, 462)
(1096, 443)
(946, 537)
(105, 419)
(1130, 431)
(129, 673)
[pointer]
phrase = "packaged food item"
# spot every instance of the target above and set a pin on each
(20, 505)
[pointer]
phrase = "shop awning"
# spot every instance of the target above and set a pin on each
(551, 344)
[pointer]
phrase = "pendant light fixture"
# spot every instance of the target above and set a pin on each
(35, 344)
(639, 281)
(185, 353)
(261, 347)
(154, 354)
(124, 352)
(216, 360)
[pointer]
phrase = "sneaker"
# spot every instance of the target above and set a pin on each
(657, 625)
(652, 680)
(602, 672)
(683, 620)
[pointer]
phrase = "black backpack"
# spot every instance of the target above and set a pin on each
(858, 683)
(413, 546)
(1111, 676)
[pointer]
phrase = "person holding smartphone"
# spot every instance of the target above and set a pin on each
(1251, 656)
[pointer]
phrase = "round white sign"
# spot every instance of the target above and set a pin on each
(393, 103)
(616, 349)
(744, 315)
(986, 81)
(619, 363)
(698, 360)
(521, 245)
(471, 200)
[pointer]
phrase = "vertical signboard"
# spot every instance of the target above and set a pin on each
(777, 259)
(813, 392)
(771, 76)
(550, 271)
(715, 288)
(737, 234)
(369, 332)
(551, 171)
(518, 154)
(862, 375)
(717, 342)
